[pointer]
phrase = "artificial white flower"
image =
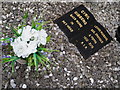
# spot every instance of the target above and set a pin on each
(28, 42)
(42, 37)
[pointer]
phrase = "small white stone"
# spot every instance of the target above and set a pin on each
(109, 64)
(39, 69)
(88, 67)
(49, 31)
(65, 69)
(24, 86)
(37, 84)
(63, 52)
(68, 79)
(54, 59)
(34, 18)
(17, 67)
(80, 61)
(68, 84)
(62, 47)
(69, 71)
(46, 76)
(12, 83)
(31, 10)
(88, 8)
(18, 7)
(14, 8)
(64, 75)
(7, 15)
(68, 74)
(50, 74)
(81, 76)
(116, 69)
(96, 54)
(4, 17)
(7, 27)
(27, 70)
(75, 78)
(49, 55)
(56, 79)
(27, 73)
(57, 67)
(93, 58)
(44, 68)
(29, 67)
(53, 68)
(81, 56)
(26, 76)
(118, 62)
(75, 83)
(0, 21)
(56, 33)
(4, 21)
(100, 81)
(92, 80)
(64, 87)
(78, 66)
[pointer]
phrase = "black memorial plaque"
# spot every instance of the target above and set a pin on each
(84, 31)
(75, 21)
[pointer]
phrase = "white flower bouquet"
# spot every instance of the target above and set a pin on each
(28, 44)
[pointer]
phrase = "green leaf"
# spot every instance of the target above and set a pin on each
(19, 27)
(48, 38)
(46, 22)
(39, 27)
(25, 15)
(47, 50)
(40, 60)
(45, 59)
(5, 58)
(15, 32)
(9, 59)
(13, 64)
(33, 24)
(4, 39)
(14, 57)
(30, 61)
(35, 61)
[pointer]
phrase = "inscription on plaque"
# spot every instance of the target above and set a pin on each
(84, 31)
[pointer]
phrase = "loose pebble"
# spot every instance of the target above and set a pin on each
(91, 80)
(75, 78)
(31, 10)
(37, 84)
(96, 54)
(81, 76)
(24, 86)
(81, 62)
(46, 76)
(12, 83)
(50, 74)
(63, 52)
(65, 69)
(116, 69)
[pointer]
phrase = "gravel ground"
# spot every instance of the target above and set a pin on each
(101, 70)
